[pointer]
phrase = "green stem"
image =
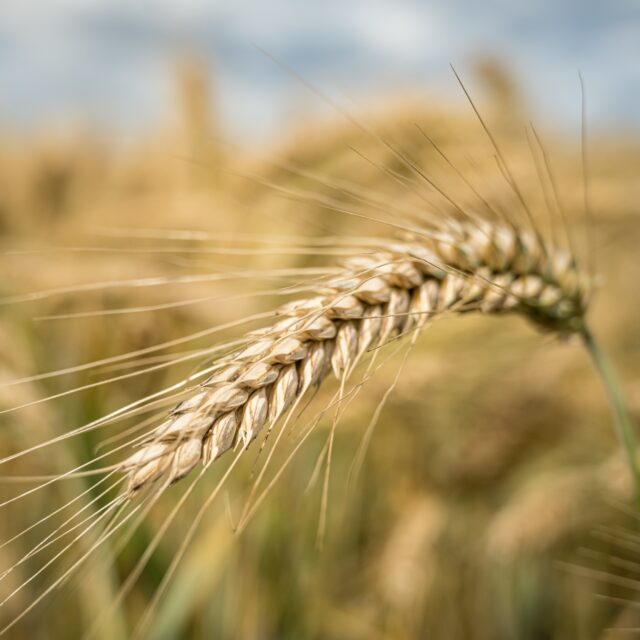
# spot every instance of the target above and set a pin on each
(624, 427)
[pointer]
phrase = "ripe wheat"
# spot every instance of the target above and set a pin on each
(492, 269)
(496, 265)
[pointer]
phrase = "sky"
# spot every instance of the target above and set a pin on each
(110, 62)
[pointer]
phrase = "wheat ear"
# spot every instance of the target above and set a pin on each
(389, 292)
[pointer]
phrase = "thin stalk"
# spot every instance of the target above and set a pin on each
(624, 426)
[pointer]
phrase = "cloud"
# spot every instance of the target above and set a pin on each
(110, 59)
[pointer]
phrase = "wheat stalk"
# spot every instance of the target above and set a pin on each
(395, 290)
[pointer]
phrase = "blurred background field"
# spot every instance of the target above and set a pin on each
(493, 501)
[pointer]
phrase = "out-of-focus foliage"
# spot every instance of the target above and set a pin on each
(494, 461)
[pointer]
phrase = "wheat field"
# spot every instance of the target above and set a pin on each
(475, 489)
